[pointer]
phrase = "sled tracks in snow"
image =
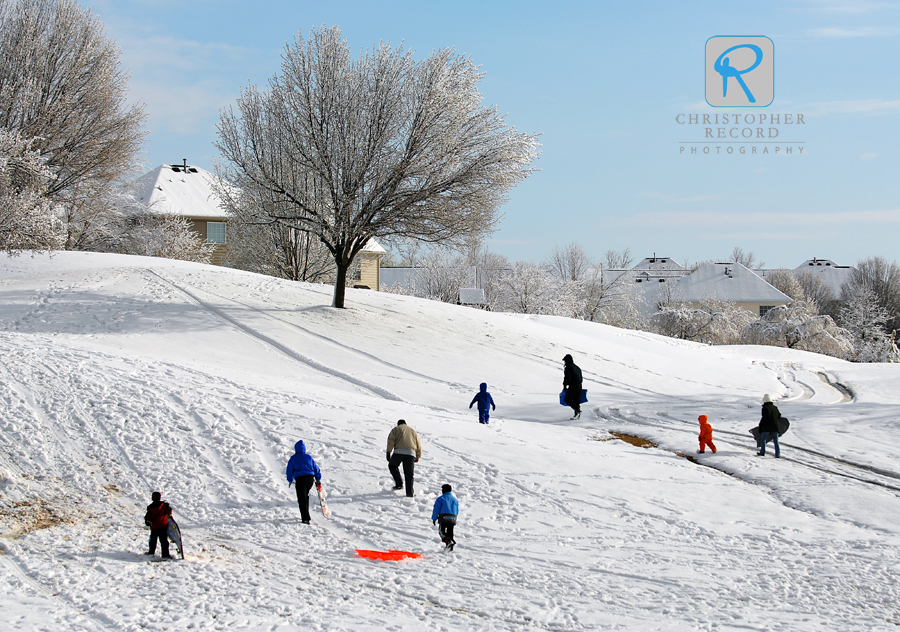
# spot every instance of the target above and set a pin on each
(812, 459)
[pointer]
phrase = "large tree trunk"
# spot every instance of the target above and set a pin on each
(340, 283)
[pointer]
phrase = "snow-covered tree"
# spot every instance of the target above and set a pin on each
(379, 146)
(714, 322)
(440, 274)
(527, 288)
(877, 275)
(61, 88)
(799, 326)
(27, 220)
(166, 236)
(864, 317)
(580, 290)
(787, 283)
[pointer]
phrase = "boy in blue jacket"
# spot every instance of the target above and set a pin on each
(302, 470)
(446, 508)
(485, 403)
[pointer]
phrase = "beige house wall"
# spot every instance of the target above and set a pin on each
(199, 227)
(370, 270)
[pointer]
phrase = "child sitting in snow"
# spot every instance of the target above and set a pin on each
(705, 435)
(485, 403)
(446, 508)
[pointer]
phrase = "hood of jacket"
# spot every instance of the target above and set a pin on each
(483, 387)
(300, 447)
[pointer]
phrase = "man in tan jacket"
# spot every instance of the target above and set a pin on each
(407, 449)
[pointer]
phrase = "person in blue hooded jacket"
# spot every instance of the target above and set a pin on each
(446, 509)
(302, 470)
(485, 404)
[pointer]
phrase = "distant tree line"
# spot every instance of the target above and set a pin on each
(859, 324)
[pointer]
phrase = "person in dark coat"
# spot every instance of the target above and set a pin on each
(157, 518)
(572, 385)
(303, 471)
(485, 404)
(768, 426)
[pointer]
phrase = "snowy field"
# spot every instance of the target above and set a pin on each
(121, 375)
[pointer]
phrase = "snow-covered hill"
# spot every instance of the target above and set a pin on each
(121, 375)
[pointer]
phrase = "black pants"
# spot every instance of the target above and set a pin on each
(446, 531)
(573, 398)
(161, 534)
(303, 485)
(409, 464)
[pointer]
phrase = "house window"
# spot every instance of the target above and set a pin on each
(764, 309)
(215, 232)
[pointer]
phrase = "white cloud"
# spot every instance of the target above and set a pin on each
(868, 156)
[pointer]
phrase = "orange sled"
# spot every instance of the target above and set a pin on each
(387, 556)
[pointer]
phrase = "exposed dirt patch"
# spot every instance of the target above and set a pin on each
(23, 517)
(639, 442)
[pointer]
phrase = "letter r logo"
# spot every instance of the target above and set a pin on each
(740, 71)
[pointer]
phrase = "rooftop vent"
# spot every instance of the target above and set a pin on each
(183, 167)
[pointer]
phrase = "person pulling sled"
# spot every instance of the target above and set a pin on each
(157, 518)
(303, 471)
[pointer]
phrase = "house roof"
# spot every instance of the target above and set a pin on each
(373, 247)
(658, 263)
(730, 282)
(174, 190)
(831, 273)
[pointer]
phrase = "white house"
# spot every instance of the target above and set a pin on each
(831, 273)
(187, 191)
(731, 282)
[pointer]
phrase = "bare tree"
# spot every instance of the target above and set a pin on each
(569, 263)
(379, 146)
(27, 221)
(617, 260)
(61, 85)
(277, 250)
(819, 293)
(746, 259)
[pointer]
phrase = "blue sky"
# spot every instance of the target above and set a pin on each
(603, 83)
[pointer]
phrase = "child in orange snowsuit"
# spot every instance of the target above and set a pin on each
(705, 435)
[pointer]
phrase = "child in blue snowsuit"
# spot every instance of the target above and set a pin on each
(485, 403)
(446, 508)
(302, 470)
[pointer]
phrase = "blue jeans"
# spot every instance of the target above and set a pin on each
(764, 437)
